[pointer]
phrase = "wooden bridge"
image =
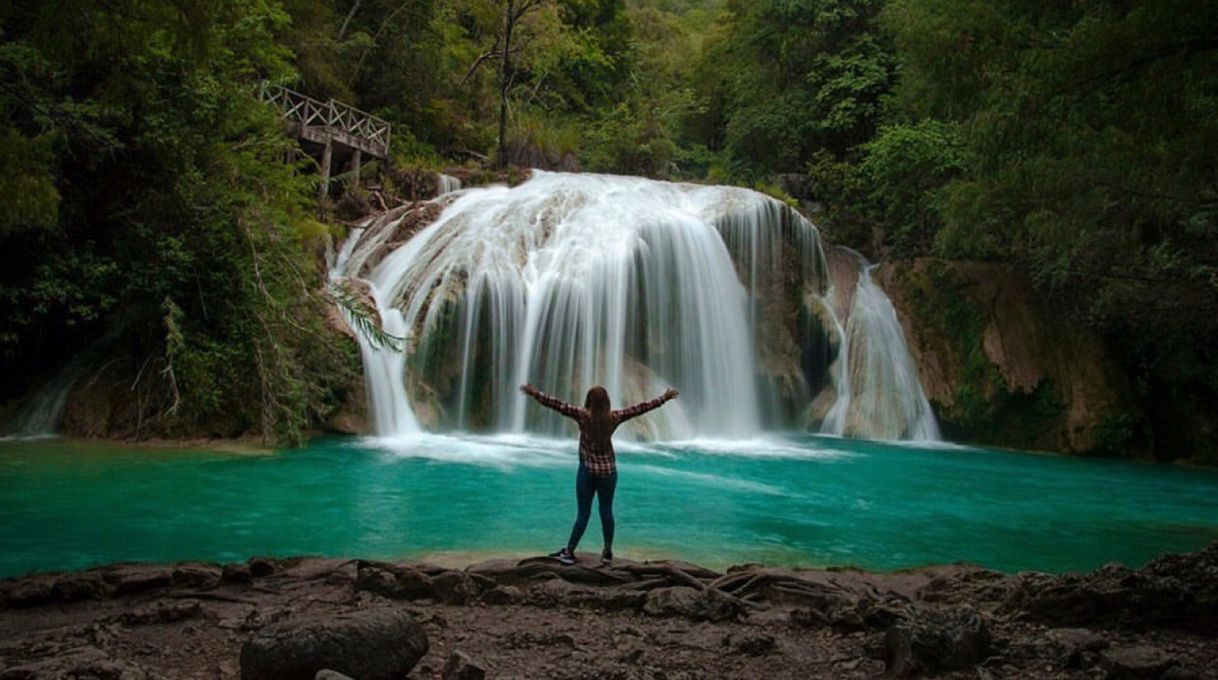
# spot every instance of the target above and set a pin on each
(334, 127)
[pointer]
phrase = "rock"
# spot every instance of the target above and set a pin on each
(1174, 591)
(933, 640)
(456, 587)
(328, 674)
(129, 579)
(261, 567)
(85, 663)
(699, 605)
(30, 592)
(407, 584)
(373, 644)
(502, 595)
(236, 573)
(1070, 645)
(1137, 661)
(460, 667)
(163, 612)
(196, 575)
(85, 585)
(750, 643)
(1050, 382)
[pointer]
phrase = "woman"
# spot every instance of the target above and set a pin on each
(597, 463)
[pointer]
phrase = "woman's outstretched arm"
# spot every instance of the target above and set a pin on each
(568, 410)
(645, 406)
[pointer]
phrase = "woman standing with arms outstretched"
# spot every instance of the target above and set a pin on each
(597, 473)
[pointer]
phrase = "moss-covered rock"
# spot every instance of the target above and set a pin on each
(1001, 367)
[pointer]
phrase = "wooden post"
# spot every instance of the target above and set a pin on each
(356, 161)
(323, 189)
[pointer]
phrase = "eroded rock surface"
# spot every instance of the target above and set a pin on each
(535, 618)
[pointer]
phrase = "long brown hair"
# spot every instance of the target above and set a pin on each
(597, 403)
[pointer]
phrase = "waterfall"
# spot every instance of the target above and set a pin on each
(880, 394)
(41, 414)
(573, 280)
(446, 184)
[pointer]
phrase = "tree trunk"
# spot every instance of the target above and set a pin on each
(505, 83)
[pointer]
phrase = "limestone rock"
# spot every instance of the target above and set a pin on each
(375, 644)
(1048, 382)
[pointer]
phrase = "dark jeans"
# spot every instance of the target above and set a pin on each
(587, 485)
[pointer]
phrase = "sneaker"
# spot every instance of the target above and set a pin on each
(607, 557)
(564, 556)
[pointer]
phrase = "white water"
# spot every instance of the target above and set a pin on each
(879, 391)
(446, 184)
(569, 281)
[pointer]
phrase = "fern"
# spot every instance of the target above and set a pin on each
(363, 319)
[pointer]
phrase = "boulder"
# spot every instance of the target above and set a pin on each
(373, 644)
(935, 640)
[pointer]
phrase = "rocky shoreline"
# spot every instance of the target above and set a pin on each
(534, 618)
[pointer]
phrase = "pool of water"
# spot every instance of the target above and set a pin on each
(792, 500)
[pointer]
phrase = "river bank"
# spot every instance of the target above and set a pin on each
(536, 618)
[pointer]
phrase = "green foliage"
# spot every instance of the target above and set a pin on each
(782, 80)
(164, 210)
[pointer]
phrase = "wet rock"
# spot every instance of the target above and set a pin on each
(377, 644)
(933, 640)
(1136, 662)
(699, 605)
(460, 667)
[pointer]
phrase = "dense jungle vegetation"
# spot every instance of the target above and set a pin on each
(144, 195)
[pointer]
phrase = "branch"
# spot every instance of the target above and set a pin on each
(346, 22)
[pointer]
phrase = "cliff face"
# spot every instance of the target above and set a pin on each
(1001, 367)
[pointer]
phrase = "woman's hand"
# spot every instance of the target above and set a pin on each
(529, 390)
(670, 394)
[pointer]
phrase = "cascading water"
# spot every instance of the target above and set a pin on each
(446, 184)
(567, 281)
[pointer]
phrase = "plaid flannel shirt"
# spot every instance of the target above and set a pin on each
(596, 453)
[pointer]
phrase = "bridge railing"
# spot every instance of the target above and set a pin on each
(312, 113)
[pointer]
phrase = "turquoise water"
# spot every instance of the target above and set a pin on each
(797, 500)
